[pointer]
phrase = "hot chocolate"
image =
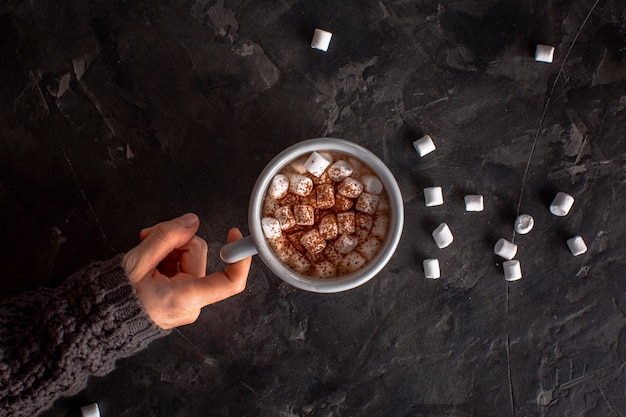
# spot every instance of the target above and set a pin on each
(325, 215)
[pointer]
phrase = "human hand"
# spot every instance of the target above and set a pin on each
(168, 271)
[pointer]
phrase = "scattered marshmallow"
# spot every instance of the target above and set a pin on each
(316, 164)
(505, 249)
(271, 227)
(512, 270)
(372, 184)
(524, 223)
(352, 262)
(474, 202)
(345, 243)
(424, 145)
(561, 204)
(433, 196)
(350, 187)
(367, 203)
(321, 40)
(91, 410)
(300, 185)
(544, 53)
(279, 187)
(431, 268)
(443, 236)
(340, 170)
(577, 245)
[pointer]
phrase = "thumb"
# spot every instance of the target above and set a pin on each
(162, 240)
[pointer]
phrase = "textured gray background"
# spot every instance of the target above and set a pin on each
(115, 115)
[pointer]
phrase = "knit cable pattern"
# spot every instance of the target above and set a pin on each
(52, 340)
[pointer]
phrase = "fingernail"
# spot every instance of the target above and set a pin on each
(188, 220)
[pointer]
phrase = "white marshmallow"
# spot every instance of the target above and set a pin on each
(381, 226)
(271, 227)
(297, 166)
(433, 196)
(561, 204)
(372, 184)
(279, 187)
(544, 53)
(300, 185)
(424, 145)
(324, 269)
(316, 164)
(368, 248)
(340, 170)
(352, 262)
(512, 270)
(505, 249)
(443, 236)
(577, 245)
(298, 262)
(321, 40)
(474, 202)
(345, 243)
(91, 410)
(367, 203)
(431, 268)
(524, 224)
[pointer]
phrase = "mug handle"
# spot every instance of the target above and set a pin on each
(238, 250)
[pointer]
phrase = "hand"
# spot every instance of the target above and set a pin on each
(168, 271)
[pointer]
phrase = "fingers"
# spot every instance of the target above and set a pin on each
(193, 257)
(162, 240)
(221, 285)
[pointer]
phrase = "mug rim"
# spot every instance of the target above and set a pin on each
(372, 267)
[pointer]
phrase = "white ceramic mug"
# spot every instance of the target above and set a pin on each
(256, 242)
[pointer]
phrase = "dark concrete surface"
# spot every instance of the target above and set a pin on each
(115, 115)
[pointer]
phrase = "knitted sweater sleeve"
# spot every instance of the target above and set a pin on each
(52, 340)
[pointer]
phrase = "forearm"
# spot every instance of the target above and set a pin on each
(52, 340)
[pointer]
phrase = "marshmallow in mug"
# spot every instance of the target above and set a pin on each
(333, 219)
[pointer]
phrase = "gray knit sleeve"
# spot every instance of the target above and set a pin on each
(52, 340)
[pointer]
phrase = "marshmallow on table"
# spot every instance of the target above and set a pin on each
(561, 204)
(577, 245)
(424, 145)
(431, 268)
(433, 196)
(524, 223)
(91, 410)
(443, 236)
(474, 202)
(321, 40)
(512, 270)
(316, 164)
(505, 249)
(544, 53)
(372, 184)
